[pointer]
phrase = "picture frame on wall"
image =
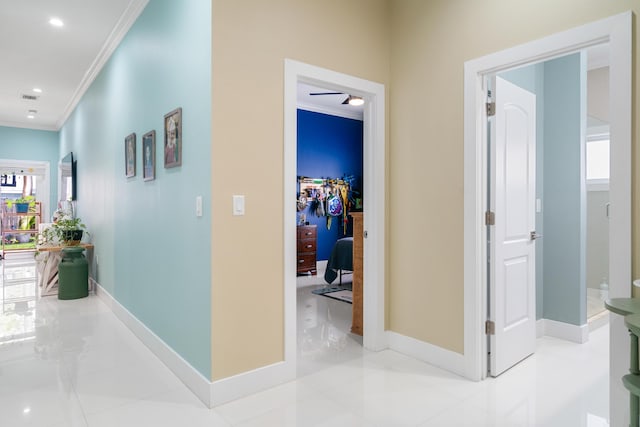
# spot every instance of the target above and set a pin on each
(149, 156)
(173, 138)
(130, 155)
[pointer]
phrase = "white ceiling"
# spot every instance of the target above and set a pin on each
(61, 61)
(327, 104)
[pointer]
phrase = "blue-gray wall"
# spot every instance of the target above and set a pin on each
(153, 254)
(560, 282)
(564, 286)
(34, 145)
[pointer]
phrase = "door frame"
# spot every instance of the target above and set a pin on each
(43, 189)
(374, 166)
(617, 31)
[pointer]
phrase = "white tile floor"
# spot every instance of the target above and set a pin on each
(72, 363)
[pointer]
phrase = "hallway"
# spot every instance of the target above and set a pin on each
(73, 363)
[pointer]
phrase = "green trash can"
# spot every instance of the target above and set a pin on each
(73, 274)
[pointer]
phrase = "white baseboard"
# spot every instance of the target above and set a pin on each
(247, 383)
(193, 379)
(565, 331)
(428, 353)
(210, 393)
(540, 328)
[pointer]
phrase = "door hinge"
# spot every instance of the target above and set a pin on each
(490, 327)
(489, 218)
(491, 109)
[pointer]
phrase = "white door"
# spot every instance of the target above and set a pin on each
(512, 247)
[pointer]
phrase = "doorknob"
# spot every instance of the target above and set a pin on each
(533, 235)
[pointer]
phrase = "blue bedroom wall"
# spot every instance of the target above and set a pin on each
(37, 145)
(152, 253)
(329, 147)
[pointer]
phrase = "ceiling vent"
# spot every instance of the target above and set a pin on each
(29, 97)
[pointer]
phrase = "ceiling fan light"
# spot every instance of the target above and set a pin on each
(355, 100)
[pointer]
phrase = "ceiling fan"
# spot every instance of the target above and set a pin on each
(350, 100)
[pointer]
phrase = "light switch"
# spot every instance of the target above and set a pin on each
(199, 206)
(238, 205)
(538, 205)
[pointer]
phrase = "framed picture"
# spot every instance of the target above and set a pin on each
(130, 155)
(173, 138)
(149, 156)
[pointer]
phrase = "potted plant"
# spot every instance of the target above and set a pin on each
(65, 231)
(23, 204)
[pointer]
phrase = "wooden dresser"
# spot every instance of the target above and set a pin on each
(358, 248)
(306, 252)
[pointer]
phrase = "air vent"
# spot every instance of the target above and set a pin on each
(29, 97)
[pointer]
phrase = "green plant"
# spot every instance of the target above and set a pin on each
(64, 231)
(31, 200)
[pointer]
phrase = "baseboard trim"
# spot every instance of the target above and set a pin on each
(565, 331)
(428, 353)
(247, 383)
(540, 328)
(193, 379)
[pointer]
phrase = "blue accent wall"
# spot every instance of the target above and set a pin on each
(151, 251)
(329, 147)
(36, 145)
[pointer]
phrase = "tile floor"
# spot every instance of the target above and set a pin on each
(72, 363)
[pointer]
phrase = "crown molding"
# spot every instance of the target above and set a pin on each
(35, 126)
(126, 21)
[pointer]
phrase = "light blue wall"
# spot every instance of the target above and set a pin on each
(531, 78)
(564, 292)
(36, 145)
(153, 253)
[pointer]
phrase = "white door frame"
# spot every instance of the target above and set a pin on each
(374, 197)
(617, 31)
(43, 183)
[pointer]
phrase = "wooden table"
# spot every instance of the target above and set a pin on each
(47, 260)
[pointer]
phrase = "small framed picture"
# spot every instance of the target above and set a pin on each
(149, 156)
(173, 138)
(130, 155)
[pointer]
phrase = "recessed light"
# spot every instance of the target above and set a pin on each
(37, 90)
(56, 22)
(31, 116)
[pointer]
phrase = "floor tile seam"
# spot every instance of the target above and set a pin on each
(128, 401)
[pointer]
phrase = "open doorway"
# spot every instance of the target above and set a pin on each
(615, 30)
(373, 199)
(24, 195)
(329, 200)
(550, 222)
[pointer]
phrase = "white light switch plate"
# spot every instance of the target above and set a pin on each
(238, 204)
(199, 206)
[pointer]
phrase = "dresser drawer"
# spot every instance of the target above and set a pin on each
(307, 245)
(307, 232)
(306, 262)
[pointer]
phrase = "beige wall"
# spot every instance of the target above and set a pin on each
(431, 40)
(251, 39)
(417, 49)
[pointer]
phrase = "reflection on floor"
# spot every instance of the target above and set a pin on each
(74, 364)
(324, 324)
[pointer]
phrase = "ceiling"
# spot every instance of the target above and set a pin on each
(327, 104)
(64, 61)
(61, 61)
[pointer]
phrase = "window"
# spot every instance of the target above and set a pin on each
(598, 159)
